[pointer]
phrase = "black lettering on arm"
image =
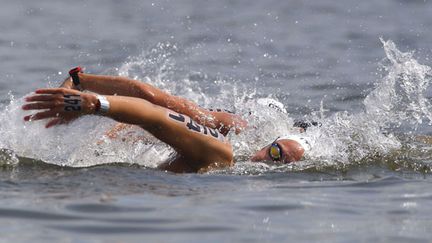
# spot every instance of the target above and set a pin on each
(178, 117)
(205, 130)
(214, 133)
(194, 126)
(72, 102)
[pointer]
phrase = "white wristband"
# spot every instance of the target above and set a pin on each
(104, 105)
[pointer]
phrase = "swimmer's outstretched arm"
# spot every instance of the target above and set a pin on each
(200, 147)
(116, 85)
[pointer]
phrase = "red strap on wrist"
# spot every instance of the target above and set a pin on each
(75, 70)
(75, 78)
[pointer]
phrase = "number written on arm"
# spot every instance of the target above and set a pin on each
(195, 127)
(72, 103)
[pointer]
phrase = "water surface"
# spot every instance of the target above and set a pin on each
(367, 178)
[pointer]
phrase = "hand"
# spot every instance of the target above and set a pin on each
(61, 104)
(67, 84)
(228, 121)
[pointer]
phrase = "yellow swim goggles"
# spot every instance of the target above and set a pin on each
(275, 151)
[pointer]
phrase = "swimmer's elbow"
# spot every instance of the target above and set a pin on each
(227, 156)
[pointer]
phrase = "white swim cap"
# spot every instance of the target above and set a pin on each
(299, 138)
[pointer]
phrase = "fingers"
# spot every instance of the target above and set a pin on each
(56, 91)
(39, 106)
(40, 98)
(40, 102)
(50, 94)
(41, 115)
(53, 101)
(44, 101)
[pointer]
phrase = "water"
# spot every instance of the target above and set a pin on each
(361, 69)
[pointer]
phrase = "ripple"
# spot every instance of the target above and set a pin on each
(275, 208)
(29, 214)
(103, 208)
(90, 229)
(399, 212)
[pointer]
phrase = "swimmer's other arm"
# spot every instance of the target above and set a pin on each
(116, 85)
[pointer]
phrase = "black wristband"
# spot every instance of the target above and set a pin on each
(75, 78)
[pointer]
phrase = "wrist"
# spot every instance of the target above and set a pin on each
(75, 74)
(102, 105)
(89, 103)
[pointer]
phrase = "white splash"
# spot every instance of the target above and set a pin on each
(401, 94)
(398, 98)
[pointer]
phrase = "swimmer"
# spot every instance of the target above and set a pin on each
(196, 134)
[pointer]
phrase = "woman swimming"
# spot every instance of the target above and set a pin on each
(196, 134)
